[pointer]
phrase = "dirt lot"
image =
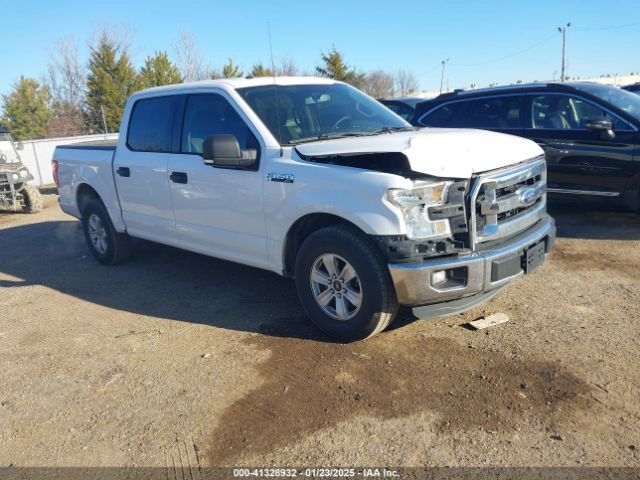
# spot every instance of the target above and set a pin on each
(175, 359)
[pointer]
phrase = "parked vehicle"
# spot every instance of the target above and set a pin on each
(634, 87)
(15, 193)
(313, 180)
(589, 131)
(405, 107)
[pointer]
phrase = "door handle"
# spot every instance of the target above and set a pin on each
(123, 171)
(178, 177)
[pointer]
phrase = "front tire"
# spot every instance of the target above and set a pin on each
(344, 284)
(31, 199)
(106, 245)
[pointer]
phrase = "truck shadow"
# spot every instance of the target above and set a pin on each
(170, 283)
(308, 386)
(158, 281)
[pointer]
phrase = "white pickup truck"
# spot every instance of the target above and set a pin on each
(314, 180)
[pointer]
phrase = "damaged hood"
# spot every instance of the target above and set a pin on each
(440, 152)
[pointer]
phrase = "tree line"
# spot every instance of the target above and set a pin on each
(73, 98)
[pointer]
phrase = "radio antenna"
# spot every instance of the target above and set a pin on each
(275, 88)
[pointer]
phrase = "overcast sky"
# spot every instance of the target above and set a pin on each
(486, 42)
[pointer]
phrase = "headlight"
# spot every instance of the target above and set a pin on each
(24, 173)
(15, 177)
(415, 204)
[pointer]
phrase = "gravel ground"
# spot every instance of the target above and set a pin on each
(175, 359)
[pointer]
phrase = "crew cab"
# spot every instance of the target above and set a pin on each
(314, 180)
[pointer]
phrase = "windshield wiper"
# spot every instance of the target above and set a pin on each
(406, 128)
(331, 136)
(327, 136)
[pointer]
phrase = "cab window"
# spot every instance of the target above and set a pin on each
(211, 114)
(151, 125)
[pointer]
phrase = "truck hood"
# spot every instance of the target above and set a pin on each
(440, 152)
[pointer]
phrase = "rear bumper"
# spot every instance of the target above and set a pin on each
(469, 275)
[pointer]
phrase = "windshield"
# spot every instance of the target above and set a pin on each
(8, 153)
(624, 100)
(299, 113)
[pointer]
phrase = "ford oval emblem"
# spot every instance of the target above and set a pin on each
(528, 196)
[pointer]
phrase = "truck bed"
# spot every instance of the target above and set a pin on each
(90, 163)
(94, 145)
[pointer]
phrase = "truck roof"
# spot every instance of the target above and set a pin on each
(235, 83)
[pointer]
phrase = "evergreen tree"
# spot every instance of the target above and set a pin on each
(26, 109)
(231, 70)
(333, 66)
(158, 70)
(111, 80)
(259, 70)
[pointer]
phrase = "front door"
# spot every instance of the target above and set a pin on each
(580, 160)
(218, 211)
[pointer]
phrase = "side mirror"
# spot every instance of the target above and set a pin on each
(605, 127)
(224, 151)
(19, 146)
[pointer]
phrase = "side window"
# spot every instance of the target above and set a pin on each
(151, 125)
(493, 113)
(211, 114)
(404, 111)
(587, 112)
(442, 116)
(563, 112)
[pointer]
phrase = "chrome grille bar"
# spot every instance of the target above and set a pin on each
(507, 201)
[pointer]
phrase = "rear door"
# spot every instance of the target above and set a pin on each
(218, 211)
(140, 169)
(579, 160)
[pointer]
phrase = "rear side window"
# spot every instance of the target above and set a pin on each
(493, 113)
(489, 113)
(151, 125)
(442, 116)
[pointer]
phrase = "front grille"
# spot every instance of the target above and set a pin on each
(507, 201)
(5, 185)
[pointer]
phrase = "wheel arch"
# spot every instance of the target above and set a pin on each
(301, 229)
(85, 193)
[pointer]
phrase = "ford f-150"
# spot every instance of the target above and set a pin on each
(314, 180)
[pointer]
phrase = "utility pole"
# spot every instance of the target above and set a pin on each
(104, 121)
(444, 62)
(563, 31)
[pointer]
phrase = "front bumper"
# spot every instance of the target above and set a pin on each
(482, 271)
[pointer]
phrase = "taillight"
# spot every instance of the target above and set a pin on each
(54, 167)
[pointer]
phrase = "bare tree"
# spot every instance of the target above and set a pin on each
(378, 84)
(66, 78)
(192, 66)
(405, 83)
(287, 68)
(67, 83)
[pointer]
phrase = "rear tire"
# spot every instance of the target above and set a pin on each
(32, 199)
(344, 284)
(106, 245)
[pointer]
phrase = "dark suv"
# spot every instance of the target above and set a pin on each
(634, 87)
(589, 131)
